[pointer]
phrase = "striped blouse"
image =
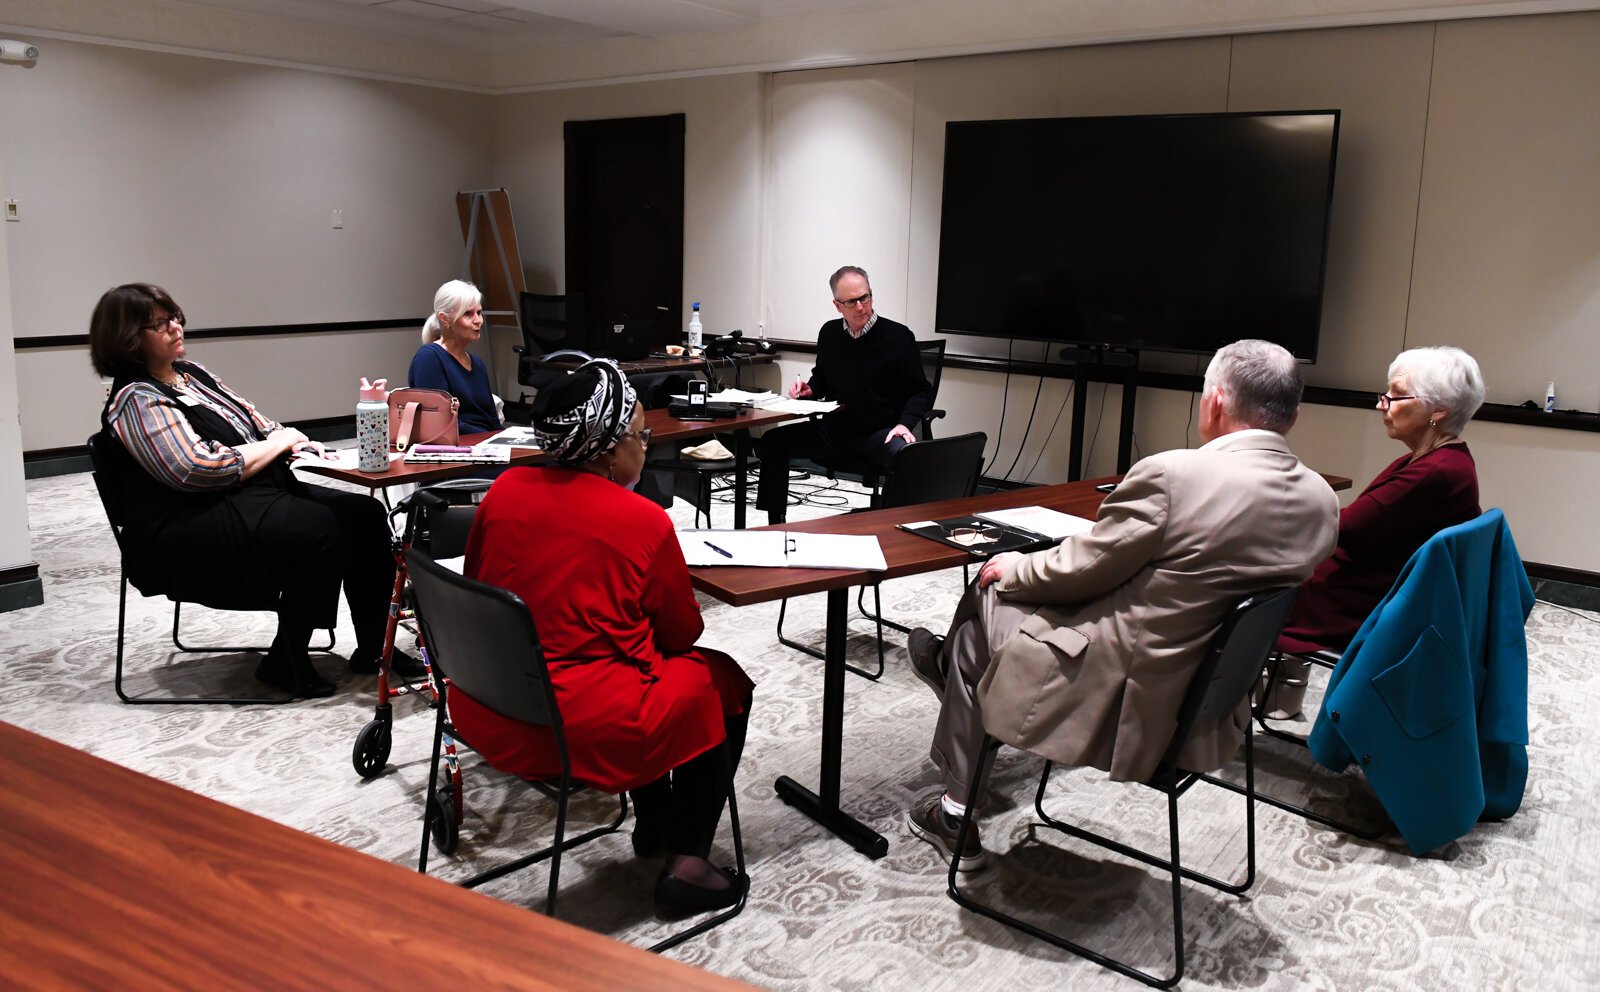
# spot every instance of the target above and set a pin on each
(157, 433)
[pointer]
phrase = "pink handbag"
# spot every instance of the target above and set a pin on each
(422, 416)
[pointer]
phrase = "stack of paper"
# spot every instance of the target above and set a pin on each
(441, 454)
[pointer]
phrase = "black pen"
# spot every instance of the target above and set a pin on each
(713, 547)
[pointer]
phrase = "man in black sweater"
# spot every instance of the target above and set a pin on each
(872, 367)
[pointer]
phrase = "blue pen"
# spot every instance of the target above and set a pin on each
(713, 547)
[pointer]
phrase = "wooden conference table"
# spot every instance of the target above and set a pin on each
(663, 428)
(114, 879)
(906, 554)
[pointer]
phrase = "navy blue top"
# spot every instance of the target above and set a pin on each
(433, 368)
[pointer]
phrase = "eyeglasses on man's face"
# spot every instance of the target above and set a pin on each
(1385, 401)
(857, 301)
(164, 324)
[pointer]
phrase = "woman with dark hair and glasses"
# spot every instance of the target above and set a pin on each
(214, 514)
(1432, 393)
(644, 708)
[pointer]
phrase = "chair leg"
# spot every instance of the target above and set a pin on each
(1259, 712)
(177, 642)
(783, 608)
(566, 844)
(1173, 865)
(433, 782)
(738, 867)
(881, 623)
(122, 633)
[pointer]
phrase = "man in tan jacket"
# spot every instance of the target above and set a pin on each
(1082, 653)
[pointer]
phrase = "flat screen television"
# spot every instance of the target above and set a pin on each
(1167, 233)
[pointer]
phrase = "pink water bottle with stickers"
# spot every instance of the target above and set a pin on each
(372, 426)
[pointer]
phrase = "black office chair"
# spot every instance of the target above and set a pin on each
(555, 335)
(481, 640)
(1224, 679)
(111, 463)
(945, 468)
(869, 472)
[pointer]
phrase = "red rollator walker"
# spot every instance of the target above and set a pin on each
(438, 519)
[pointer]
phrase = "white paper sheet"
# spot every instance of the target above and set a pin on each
(781, 549)
(1041, 520)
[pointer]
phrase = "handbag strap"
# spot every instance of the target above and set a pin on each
(408, 420)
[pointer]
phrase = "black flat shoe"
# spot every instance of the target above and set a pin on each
(274, 671)
(401, 665)
(303, 681)
(675, 897)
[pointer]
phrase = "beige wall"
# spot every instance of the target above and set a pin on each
(219, 180)
(722, 192)
(1464, 211)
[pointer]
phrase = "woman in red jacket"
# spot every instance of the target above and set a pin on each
(1431, 395)
(645, 709)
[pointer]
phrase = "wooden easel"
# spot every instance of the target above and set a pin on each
(493, 261)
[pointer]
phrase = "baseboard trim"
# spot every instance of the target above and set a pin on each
(20, 587)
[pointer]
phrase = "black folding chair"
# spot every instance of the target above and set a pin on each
(481, 640)
(1221, 683)
(1258, 711)
(946, 468)
(108, 464)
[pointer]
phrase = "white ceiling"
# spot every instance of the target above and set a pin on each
(530, 23)
(506, 46)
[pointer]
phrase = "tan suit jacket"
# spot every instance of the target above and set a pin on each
(1126, 611)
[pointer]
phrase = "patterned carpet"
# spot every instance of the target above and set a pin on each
(1514, 905)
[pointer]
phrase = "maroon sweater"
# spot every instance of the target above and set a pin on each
(1409, 502)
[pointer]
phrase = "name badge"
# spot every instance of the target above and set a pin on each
(188, 400)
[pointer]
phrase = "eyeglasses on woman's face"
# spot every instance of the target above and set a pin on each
(1385, 400)
(643, 434)
(163, 325)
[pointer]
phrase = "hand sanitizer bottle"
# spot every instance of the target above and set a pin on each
(694, 329)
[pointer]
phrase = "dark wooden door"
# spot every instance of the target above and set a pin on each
(624, 191)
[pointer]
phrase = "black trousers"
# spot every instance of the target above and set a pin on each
(816, 438)
(304, 543)
(685, 806)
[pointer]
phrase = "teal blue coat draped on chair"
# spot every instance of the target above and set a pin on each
(1431, 697)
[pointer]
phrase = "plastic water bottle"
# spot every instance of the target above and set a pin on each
(372, 426)
(694, 328)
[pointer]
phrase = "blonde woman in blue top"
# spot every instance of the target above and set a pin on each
(445, 362)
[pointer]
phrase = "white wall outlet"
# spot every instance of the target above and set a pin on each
(338, 219)
(105, 387)
(11, 210)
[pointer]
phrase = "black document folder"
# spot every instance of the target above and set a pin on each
(1009, 538)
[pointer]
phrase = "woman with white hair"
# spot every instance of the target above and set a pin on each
(1432, 393)
(444, 361)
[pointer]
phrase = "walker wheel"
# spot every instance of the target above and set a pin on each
(371, 753)
(442, 824)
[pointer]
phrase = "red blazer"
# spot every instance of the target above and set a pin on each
(602, 574)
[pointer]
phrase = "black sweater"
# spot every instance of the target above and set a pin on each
(878, 378)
